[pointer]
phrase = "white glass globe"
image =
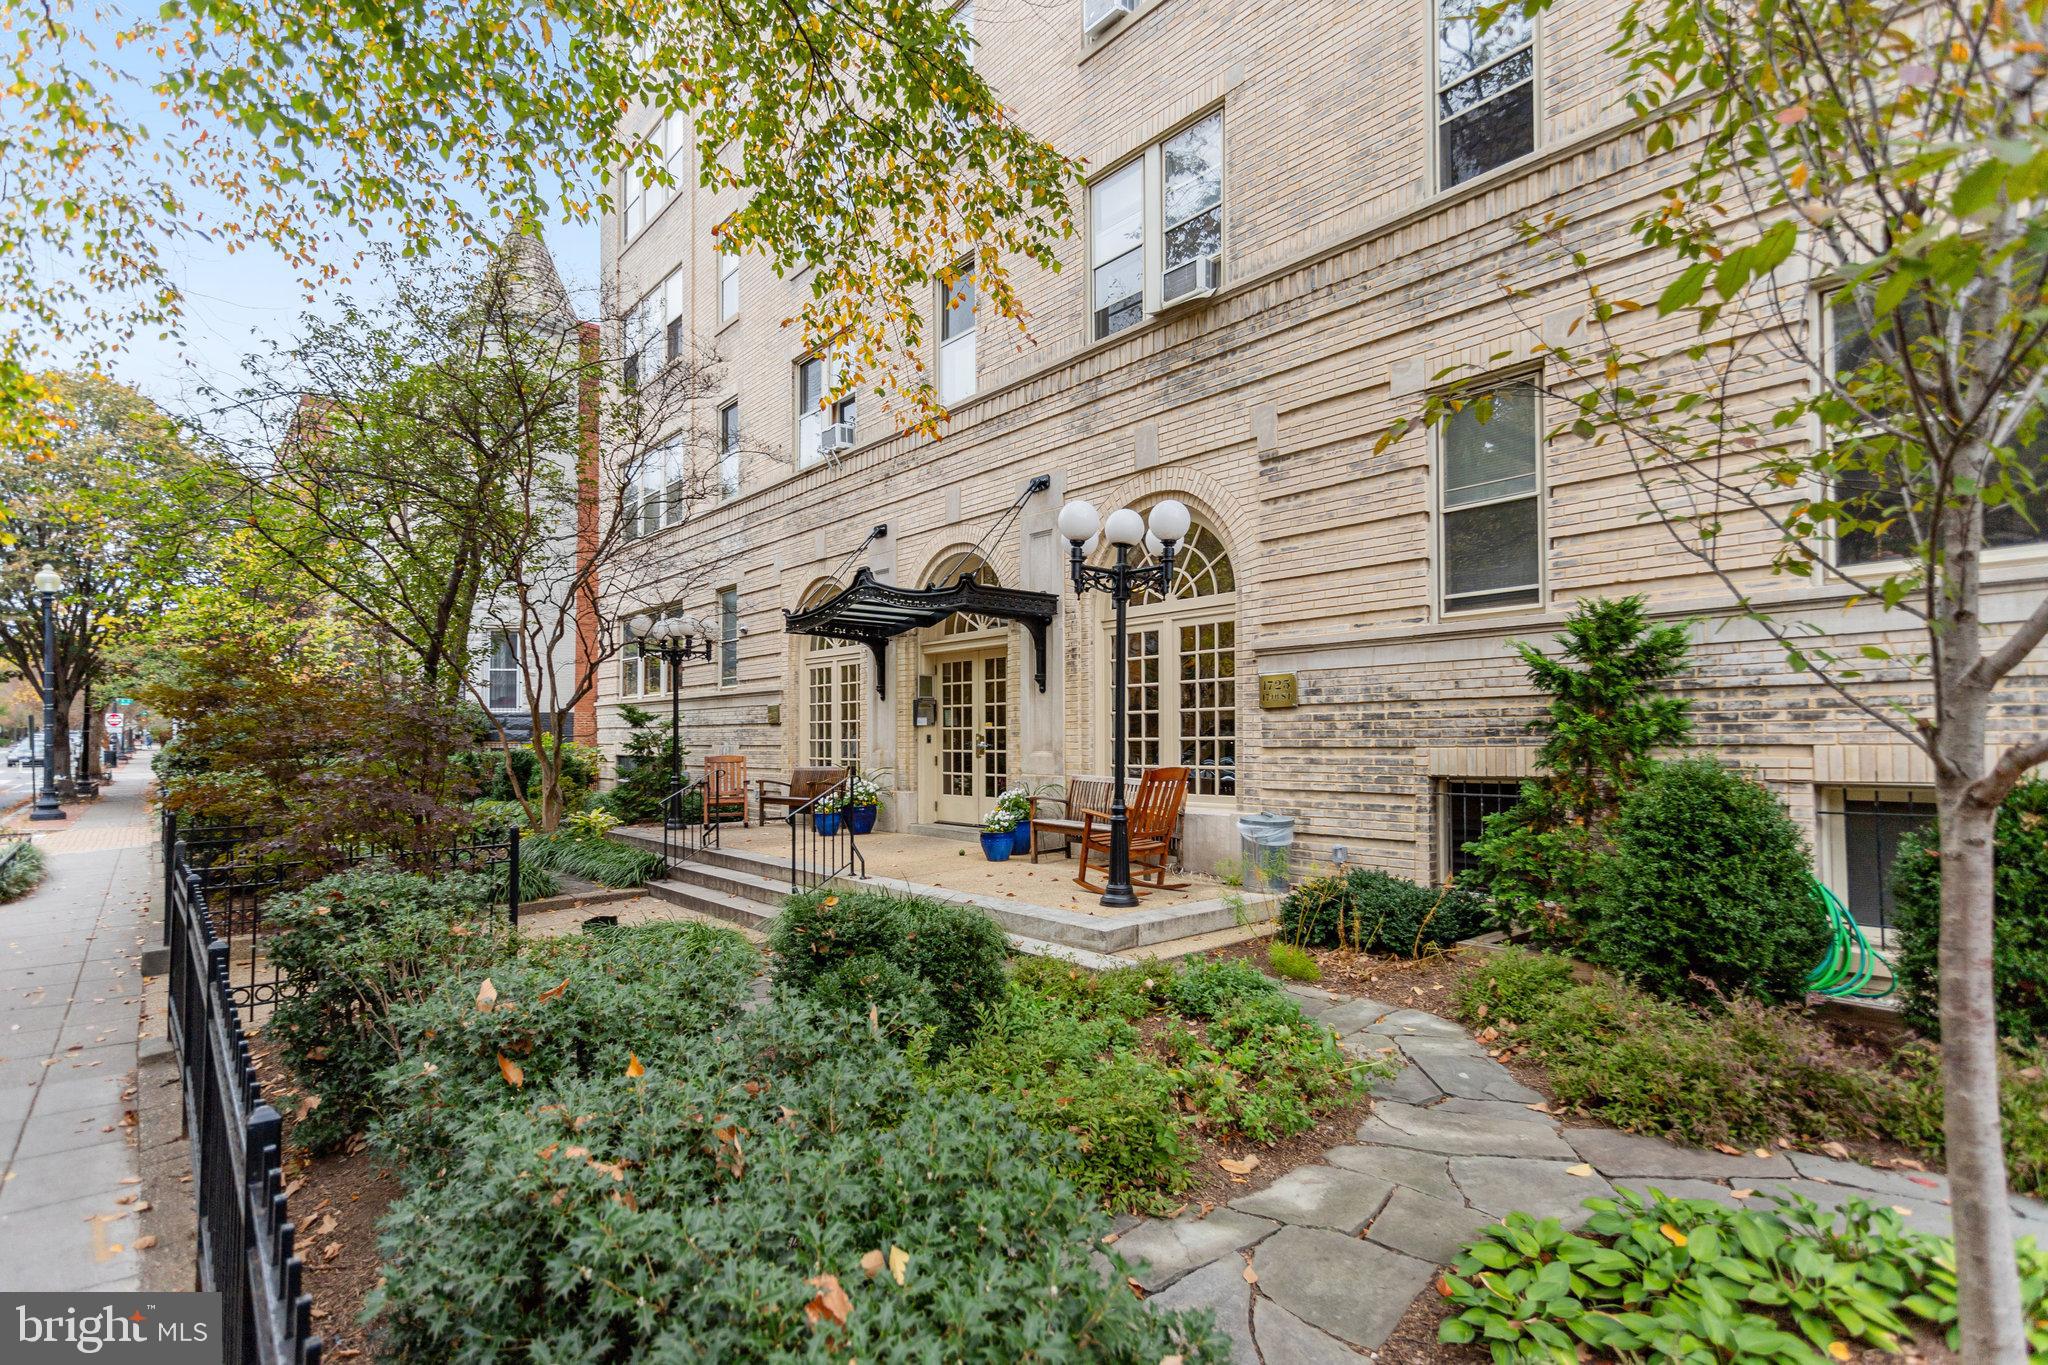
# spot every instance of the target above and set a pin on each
(1079, 520)
(1092, 544)
(1124, 527)
(1154, 546)
(1170, 520)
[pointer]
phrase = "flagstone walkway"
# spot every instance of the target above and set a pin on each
(1340, 1249)
(70, 1003)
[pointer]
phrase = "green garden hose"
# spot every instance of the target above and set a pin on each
(1845, 972)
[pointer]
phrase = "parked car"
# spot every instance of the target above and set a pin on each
(25, 751)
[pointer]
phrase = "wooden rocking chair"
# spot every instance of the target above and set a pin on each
(725, 789)
(1150, 818)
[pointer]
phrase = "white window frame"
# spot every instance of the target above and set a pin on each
(645, 200)
(812, 421)
(729, 636)
(957, 352)
(1439, 512)
(728, 282)
(1152, 268)
(729, 448)
(1437, 86)
(493, 669)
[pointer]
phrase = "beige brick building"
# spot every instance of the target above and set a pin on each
(1296, 215)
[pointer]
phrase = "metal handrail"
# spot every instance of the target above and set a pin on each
(681, 836)
(819, 856)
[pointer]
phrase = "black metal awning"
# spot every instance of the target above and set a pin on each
(870, 612)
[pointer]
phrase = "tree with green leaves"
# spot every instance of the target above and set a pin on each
(112, 496)
(1610, 709)
(1842, 381)
(870, 148)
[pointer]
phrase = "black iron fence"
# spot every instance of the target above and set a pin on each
(823, 843)
(240, 869)
(683, 828)
(247, 1242)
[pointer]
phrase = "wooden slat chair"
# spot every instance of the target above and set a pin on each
(805, 784)
(1150, 817)
(1082, 794)
(725, 788)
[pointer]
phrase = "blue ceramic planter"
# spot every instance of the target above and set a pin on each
(1020, 837)
(825, 821)
(862, 818)
(996, 847)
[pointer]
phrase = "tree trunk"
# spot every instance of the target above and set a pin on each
(1987, 1271)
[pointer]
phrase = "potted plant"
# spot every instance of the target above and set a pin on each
(827, 812)
(863, 802)
(998, 835)
(1017, 802)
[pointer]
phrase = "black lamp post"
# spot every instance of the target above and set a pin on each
(1126, 530)
(49, 584)
(675, 640)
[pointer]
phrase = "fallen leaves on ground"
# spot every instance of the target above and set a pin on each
(1239, 1166)
(831, 1301)
(514, 1074)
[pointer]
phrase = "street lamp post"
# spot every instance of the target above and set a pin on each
(1156, 535)
(49, 584)
(677, 640)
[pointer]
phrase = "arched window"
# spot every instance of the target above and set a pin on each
(963, 623)
(831, 679)
(1180, 670)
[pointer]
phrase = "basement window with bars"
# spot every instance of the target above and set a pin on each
(1858, 831)
(1491, 524)
(1485, 91)
(1462, 806)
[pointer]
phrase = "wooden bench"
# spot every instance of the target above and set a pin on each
(805, 784)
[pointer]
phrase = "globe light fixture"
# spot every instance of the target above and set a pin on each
(675, 640)
(48, 583)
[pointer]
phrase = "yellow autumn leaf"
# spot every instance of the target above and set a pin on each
(486, 996)
(510, 1070)
(898, 1260)
(1839, 1350)
(1583, 1170)
(633, 1068)
(1677, 1237)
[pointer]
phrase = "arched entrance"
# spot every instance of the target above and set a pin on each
(964, 756)
(831, 686)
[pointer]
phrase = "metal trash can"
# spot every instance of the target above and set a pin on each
(1265, 846)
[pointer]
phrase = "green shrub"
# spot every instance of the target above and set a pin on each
(696, 1213)
(900, 1003)
(1292, 963)
(957, 951)
(1125, 993)
(604, 861)
(1368, 911)
(485, 767)
(565, 1007)
(1707, 889)
(21, 873)
(646, 767)
(358, 948)
(1745, 1074)
(1205, 989)
(1655, 1278)
(1080, 1077)
(2019, 946)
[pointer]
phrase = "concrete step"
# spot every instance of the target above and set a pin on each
(769, 890)
(965, 834)
(723, 905)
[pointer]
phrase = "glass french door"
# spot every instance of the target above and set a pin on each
(973, 759)
(833, 702)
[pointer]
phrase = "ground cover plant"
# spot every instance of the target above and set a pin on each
(784, 1188)
(592, 857)
(1655, 1278)
(1745, 1074)
(1137, 1064)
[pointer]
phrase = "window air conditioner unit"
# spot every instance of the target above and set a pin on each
(1099, 16)
(1196, 279)
(835, 438)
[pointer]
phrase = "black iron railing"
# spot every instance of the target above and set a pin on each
(246, 1239)
(240, 874)
(822, 842)
(683, 830)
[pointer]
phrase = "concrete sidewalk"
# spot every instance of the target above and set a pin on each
(70, 1003)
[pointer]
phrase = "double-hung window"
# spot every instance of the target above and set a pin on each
(1485, 90)
(1875, 490)
(502, 680)
(1491, 500)
(816, 377)
(728, 636)
(728, 282)
(642, 331)
(1156, 228)
(658, 493)
(956, 336)
(729, 448)
(645, 196)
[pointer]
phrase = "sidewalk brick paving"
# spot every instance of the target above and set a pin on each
(70, 1001)
(1341, 1248)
